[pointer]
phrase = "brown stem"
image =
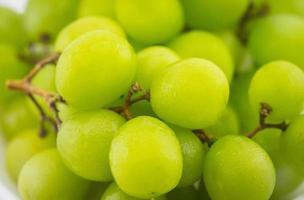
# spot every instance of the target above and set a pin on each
(203, 136)
(265, 111)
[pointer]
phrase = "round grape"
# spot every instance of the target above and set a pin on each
(192, 93)
(96, 69)
(96, 8)
(153, 163)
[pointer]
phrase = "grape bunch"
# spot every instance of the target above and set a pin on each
(154, 99)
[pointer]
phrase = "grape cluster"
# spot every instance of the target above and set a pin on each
(153, 99)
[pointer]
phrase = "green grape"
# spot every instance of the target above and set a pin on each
(150, 22)
(17, 117)
(192, 93)
(23, 147)
(215, 14)
(11, 28)
(287, 179)
(151, 61)
(227, 124)
(66, 112)
(283, 6)
(186, 193)
(106, 64)
(153, 163)
(204, 45)
(202, 191)
(278, 37)
(239, 99)
(96, 8)
(45, 177)
(238, 168)
(142, 108)
(48, 17)
(114, 193)
(193, 156)
(77, 28)
(292, 143)
(96, 190)
(236, 48)
(10, 68)
(84, 143)
(280, 84)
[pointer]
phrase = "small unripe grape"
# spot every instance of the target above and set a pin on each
(84, 143)
(96, 69)
(186, 193)
(205, 45)
(96, 8)
(153, 163)
(279, 84)
(214, 14)
(278, 37)
(192, 93)
(23, 147)
(227, 124)
(238, 168)
(193, 156)
(45, 177)
(151, 61)
(83, 25)
(48, 17)
(151, 21)
(292, 142)
(114, 193)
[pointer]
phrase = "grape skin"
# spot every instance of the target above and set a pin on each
(192, 93)
(151, 22)
(96, 8)
(84, 143)
(205, 45)
(238, 168)
(189, 193)
(95, 69)
(153, 163)
(280, 84)
(77, 28)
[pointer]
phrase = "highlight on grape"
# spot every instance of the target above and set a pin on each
(153, 99)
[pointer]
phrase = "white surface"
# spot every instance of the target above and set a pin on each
(17, 5)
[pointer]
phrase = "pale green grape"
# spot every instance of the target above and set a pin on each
(239, 100)
(84, 143)
(96, 8)
(114, 193)
(96, 69)
(278, 37)
(48, 17)
(45, 177)
(238, 168)
(96, 190)
(151, 61)
(17, 117)
(215, 14)
(236, 48)
(283, 6)
(280, 84)
(292, 143)
(153, 163)
(23, 147)
(193, 156)
(10, 68)
(205, 45)
(84, 25)
(227, 124)
(11, 28)
(66, 112)
(150, 21)
(192, 93)
(186, 193)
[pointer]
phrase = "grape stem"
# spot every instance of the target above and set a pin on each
(24, 85)
(253, 11)
(129, 101)
(265, 111)
(203, 136)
